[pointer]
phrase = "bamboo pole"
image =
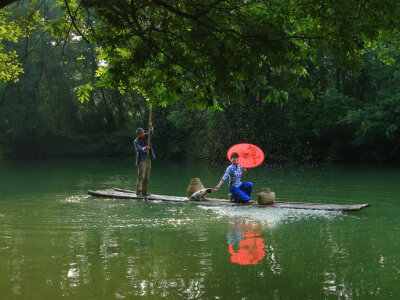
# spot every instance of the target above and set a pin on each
(147, 172)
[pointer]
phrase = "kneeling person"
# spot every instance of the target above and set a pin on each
(240, 191)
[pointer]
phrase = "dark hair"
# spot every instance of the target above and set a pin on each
(139, 130)
(234, 155)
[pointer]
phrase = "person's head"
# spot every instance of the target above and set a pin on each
(235, 158)
(140, 133)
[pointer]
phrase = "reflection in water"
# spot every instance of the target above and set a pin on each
(14, 240)
(245, 245)
(14, 268)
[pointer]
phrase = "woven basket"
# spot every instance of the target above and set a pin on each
(194, 186)
(266, 196)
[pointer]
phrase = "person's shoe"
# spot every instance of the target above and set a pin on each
(139, 194)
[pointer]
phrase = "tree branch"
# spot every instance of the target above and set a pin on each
(73, 21)
(195, 18)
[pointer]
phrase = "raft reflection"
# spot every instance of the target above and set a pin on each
(246, 247)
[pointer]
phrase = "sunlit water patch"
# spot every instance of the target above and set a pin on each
(272, 216)
(72, 199)
(152, 223)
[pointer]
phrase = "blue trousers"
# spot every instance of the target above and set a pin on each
(241, 193)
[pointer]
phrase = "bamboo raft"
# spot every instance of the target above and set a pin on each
(127, 194)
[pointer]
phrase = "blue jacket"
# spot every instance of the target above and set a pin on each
(140, 147)
(234, 172)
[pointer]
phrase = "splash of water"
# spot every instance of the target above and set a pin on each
(272, 216)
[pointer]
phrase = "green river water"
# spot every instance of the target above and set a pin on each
(57, 242)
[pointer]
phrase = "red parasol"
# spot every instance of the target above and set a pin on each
(250, 156)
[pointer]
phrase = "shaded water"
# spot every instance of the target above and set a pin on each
(56, 242)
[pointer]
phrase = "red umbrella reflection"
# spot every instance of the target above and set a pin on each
(251, 249)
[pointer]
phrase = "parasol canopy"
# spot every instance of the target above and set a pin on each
(250, 156)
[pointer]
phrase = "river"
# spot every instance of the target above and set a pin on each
(58, 242)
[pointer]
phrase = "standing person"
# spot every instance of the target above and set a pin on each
(141, 156)
(240, 191)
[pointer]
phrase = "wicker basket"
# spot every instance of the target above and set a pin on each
(266, 196)
(194, 186)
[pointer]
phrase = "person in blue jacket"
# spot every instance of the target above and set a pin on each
(141, 147)
(240, 191)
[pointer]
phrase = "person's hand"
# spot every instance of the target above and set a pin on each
(147, 147)
(244, 170)
(215, 188)
(150, 125)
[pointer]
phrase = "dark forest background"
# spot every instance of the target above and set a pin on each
(351, 116)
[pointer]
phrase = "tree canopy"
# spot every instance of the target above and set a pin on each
(212, 51)
(208, 52)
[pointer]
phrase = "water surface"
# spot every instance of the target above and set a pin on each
(57, 242)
